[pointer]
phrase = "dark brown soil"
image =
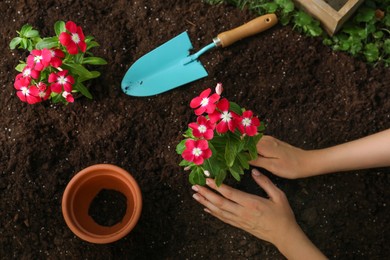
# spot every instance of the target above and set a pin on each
(308, 96)
(108, 207)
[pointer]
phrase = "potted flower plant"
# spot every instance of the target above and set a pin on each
(55, 68)
(222, 140)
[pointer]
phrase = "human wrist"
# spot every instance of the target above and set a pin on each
(291, 236)
(296, 245)
(314, 163)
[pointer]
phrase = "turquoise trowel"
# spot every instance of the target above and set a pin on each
(171, 65)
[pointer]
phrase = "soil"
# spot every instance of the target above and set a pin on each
(308, 96)
(108, 207)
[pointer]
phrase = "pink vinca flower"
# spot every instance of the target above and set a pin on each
(196, 151)
(74, 39)
(39, 59)
(203, 128)
(225, 117)
(29, 72)
(25, 92)
(247, 123)
(56, 57)
(68, 96)
(43, 91)
(204, 102)
(61, 81)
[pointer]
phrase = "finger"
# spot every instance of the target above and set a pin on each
(264, 162)
(228, 219)
(228, 192)
(213, 200)
(273, 192)
(267, 145)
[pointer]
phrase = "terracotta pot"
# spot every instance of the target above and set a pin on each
(84, 187)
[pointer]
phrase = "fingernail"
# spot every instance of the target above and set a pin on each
(195, 196)
(207, 210)
(256, 173)
(208, 181)
(195, 188)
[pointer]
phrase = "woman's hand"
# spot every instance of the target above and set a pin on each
(270, 219)
(283, 159)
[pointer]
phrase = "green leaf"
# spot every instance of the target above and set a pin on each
(197, 177)
(235, 108)
(82, 89)
(94, 61)
(180, 147)
(24, 44)
(286, 5)
(56, 98)
(213, 165)
(251, 146)
(78, 70)
(302, 19)
(365, 14)
(20, 67)
(25, 29)
(47, 43)
(261, 127)
(386, 46)
(14, 42)
(92, 44)
(92, 75)
(236, 171)
(270, 7)
(32, 34)
(220, 177)
(59, 27)
(371, 52)
(185, 163)
(244, 158)
(231, 151)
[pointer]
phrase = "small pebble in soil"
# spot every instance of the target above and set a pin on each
(108, 207)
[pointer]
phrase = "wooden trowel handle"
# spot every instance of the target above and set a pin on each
(250, 28)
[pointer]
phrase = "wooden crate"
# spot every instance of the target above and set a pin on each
(331, 13)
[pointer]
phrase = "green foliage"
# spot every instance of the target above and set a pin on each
(365, 35)
(27, 38)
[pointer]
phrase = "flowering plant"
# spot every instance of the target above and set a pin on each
(55, 68)
(223, 139)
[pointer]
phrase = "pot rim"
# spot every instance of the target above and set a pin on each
(81, 178)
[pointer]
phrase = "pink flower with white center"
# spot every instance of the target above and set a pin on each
(29, 72)
(225, 117)
(61, 81)
(74, 39)
(56, 57)
(204, 102)
(247, 123)
(196, 151)
(202, 128)
(25, 92)
(68, 96)
(43, 91)
(39, 59)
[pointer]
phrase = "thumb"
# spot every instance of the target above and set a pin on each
(266, 184)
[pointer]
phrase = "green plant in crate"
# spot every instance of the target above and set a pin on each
(55, 69)
(366, 35)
